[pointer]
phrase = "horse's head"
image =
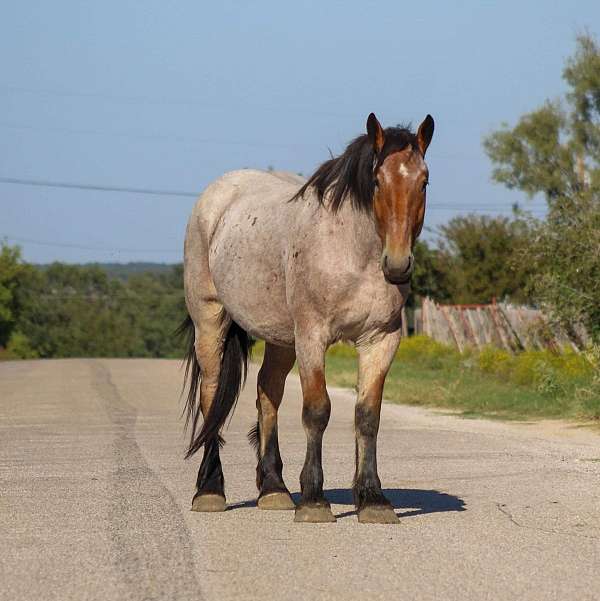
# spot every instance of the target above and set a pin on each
(400, 177)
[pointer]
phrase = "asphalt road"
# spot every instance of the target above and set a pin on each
(95, 500)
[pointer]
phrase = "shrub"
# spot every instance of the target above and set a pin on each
(19, 347)
(426, 352)
(493, 360)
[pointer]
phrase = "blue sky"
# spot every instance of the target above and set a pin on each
(169, 95)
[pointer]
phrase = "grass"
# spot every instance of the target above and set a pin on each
(489, 383)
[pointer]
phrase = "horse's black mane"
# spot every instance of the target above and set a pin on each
(351, 175)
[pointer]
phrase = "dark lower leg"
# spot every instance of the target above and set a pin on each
(374, 362)
(210, 475)
(315, 421)
(370, 502)
(316, 409)
(367, 486)
(277, 364)
(269, 471)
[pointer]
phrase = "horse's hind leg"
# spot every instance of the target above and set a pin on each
(374, 361)
(208, 345)
(273, 493)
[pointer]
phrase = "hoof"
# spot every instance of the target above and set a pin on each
(210, 502)
(377, 514)
(314, 513)
(276, 500)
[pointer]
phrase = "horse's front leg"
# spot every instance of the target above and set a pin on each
(316, 408)
(374, 362)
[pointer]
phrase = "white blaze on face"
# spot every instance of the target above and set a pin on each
(418, 170)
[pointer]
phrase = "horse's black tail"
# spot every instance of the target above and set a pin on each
(232, 376)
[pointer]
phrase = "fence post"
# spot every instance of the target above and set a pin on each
(425, 316)
(404, 324)
(451, 327)
(499, 328)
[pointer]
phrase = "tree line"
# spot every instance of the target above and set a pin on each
(81, 310)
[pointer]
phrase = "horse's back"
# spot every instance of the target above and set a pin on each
(227, 205)
(251, 188)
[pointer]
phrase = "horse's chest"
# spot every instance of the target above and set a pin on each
(376, 310)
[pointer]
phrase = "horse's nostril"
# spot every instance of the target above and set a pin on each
(397, 271)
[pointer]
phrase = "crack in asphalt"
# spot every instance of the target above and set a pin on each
(152, 545)
(502, 509)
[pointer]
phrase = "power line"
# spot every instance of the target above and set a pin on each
(102, 297)
(467, 209)
(98, 187)
(187, 194)
(86, 247)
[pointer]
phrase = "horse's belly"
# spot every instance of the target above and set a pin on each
(247, 267)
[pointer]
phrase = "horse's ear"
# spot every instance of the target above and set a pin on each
(425, 133)
(375, 131)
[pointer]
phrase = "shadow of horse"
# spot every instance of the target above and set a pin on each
(412, 501)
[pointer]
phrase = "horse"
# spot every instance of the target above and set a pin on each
(301, 268)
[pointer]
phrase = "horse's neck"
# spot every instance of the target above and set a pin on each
(361, 228)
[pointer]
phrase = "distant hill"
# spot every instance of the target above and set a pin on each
(122, 271)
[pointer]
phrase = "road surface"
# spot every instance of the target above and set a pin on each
(95, 500)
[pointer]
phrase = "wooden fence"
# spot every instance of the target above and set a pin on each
(499, 324)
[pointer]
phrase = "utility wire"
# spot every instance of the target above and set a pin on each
(86, 247)
(187, 194)
(101, 188)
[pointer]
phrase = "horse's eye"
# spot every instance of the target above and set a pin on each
(425, 184)
(376, 182)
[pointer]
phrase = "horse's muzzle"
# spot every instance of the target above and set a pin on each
(397, 271)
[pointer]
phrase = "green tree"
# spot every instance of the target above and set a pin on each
(477, 255)
(88, 311)
(555, 151)
(566, 247)
(158, 307)
(75, 311)
(429, 277)
(12, 271)
(80, 311)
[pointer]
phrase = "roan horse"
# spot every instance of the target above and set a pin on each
(302, 269)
